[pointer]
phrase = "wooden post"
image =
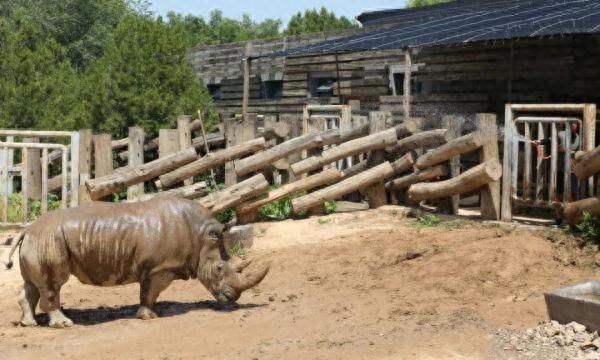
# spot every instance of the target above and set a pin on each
(11, 162)
(376, 193)
(527, 164)
(185, 138)
(506, 214)
(246, 95)
(64, 196)
(45, 181)
(407, 84)
(136, 158)
(540, 172)
(229, 128)
(589, 138)
(454, 125)
(24, 184)
(103, 157)
(168, 142)
(85, 162)
(4, 184)
(74, 200)
(553, 163)
(34, 167)
(490, 194)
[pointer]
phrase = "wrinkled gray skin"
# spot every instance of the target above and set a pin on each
(106, 244)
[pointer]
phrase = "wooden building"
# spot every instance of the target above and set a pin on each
(462, 57)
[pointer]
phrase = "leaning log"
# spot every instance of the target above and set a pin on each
(377, 141)
(326, 177)
(407, 128)
(425, 139)
(418, 177)
(236, 194)
(120, 180)
(347, 186)
(190, 192)
(573, 212)
(588, 164)
(403, 164)
(277, 130)
(210, 161)
(468, 181)
(262, 160)
(462, 145)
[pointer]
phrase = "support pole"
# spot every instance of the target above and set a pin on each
(136, 158)
(490, 194)
(506, 166)
(454, 125)
(407, 84)
(246, 96)
(185, 138)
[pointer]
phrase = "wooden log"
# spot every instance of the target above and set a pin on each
(407, 83)
(25, 185)
(420, 176)
(103, 157)
(349, 185)
(375, 193)
(506, 204)
(275, 130)
(326, 177)
(168, 142)
(588, 164)
(490, 194)
(452, 148)
(136, 158)
(408, 127)
(85, 162)
(120, 180)
(44, 207)
(454, 124)
(404, 164)
(355, 169)
(467, 182)
(261, 160)
(425, 139)
(185, 138)
(210, 161)
(214, 140)
(573, 212)
(190, 192)
(376, 141)
(236, 194)
(34, 167)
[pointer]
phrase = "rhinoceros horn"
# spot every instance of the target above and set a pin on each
(242, 282)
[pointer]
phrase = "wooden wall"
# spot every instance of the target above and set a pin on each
(458, 79)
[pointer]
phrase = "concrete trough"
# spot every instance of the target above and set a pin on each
(579, 303)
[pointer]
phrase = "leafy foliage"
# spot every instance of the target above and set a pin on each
(316, 21)
(589, 230)
(34, 207)
(425, 220)
(419, 3)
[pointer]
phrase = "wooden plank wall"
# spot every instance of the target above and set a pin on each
(456, 80)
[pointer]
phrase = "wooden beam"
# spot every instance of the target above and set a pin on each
(103, 157)
(375, 193)
(85, 162)
(185, 138)
(454, 124)
(407, 84)
(462, 145)
(246, 96)
(235, 195)
(490, 194)
(506, 206)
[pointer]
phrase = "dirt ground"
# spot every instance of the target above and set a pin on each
(366, 285)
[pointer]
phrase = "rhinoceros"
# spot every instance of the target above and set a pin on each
(106, 244)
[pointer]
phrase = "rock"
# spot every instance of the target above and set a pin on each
(568, 339)
(592, 356)
(552, 331)
(587, 346)
(583, 338)
(596, 343)
(577, 328)
(529, 332)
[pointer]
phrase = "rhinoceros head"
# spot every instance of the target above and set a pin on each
(218, 274)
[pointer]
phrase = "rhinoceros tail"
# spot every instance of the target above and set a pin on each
(17, 242)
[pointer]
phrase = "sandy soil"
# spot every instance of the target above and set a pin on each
(348, 286)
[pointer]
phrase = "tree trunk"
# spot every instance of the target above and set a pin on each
(266, 158)
(462, 145)
(210, 161)
(349, 185)
(573, 212)
(468, 181)
(418, 177)
(120, 180)
(323, 178)
(376, 141)
(425, 139)
(236, 194)
(588, 164)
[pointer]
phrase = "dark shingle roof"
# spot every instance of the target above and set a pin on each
(465, 21)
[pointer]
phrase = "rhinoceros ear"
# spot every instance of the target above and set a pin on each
(215, 232)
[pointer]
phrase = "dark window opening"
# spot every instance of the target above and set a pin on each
(322, 87)
(272, 89)
(214, 90)
(416, 87)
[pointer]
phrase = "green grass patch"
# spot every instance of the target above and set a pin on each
(426, 220)
(588, 232)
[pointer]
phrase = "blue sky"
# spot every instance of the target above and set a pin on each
(261, 9)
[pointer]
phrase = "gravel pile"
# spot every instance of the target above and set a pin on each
(552, 341)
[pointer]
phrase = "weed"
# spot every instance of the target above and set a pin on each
(236, 249)
(324, 221)
(330, 207)
(34, 207)
(277, 210)
(425, 220)
(588, 232)
(225, 216)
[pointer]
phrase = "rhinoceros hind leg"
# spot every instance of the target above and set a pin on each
(28, 300)
(150, 288)
(50, 303)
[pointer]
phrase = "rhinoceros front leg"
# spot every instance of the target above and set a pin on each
(28, 300)
(150, 288)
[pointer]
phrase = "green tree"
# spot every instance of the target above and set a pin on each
(143, 79)
(316, 21)
(419, 3)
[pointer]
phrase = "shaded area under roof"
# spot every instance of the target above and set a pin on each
(466, 21)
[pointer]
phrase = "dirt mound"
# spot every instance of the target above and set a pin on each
(351, 286)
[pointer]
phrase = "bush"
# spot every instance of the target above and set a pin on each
(427, 220)
(588, 232)
(34, 207)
